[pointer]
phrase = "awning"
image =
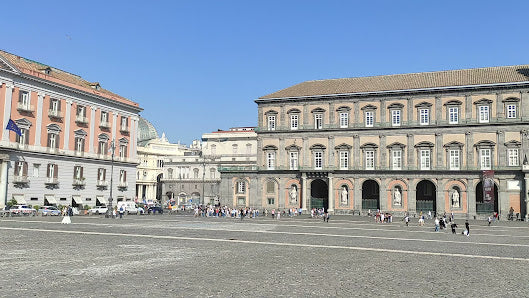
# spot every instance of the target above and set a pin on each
(102, 200)
(51, 199)
(20, 199)
(77, 199)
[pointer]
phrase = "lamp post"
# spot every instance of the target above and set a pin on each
(112, 149)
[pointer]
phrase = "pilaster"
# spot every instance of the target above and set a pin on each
(500, 112)
(67, 117)
(92, 130)
(382, 195)
(383, 151)
(331, 162)
(7, 111)
(304, 194)
(438, 110)
(469, 148)
(440, 198)
(468, 108)
(471, 197)
(501, 150)
(356, 155)
(439, 151)
(410, 147)
(3, 180)
(38, 126)
(331, 193)
(357, 202)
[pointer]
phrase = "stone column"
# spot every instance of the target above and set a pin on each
(471, 198)
(357, 195)
(331, 161)
(500, 113)
(524, 105)
(383, 119)
(259, 152)
(503, 199)
(440, 198)
(412, 197)
(410, 147)
(439, 152)
(305, 152)
(469, 148)
(468, 108)
(383, 152)
(280, 162)
(500, 150)
(382, 195)
(38, 128)
(331, 115)
(438, 110)
(305, 116)
(67, 124)
(331, 194)
(7, 111)
(3, 180)
(409, 107)
(304, 192)
(356, 152)
(114, 128)
(357, 120)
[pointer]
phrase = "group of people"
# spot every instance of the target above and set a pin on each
(381, 217)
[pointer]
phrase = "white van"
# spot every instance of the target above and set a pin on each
(130, 207)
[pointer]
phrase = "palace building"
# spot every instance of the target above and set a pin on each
(447, 141)
(70, 131)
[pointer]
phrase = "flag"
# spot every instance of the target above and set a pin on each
(11, 125)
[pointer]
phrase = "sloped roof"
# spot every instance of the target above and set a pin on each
(62, 77)
(411, 81)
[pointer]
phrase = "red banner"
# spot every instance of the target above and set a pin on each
(488, 186)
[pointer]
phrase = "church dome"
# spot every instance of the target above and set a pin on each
(146, 132)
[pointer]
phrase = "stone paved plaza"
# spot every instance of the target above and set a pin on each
(182, 256)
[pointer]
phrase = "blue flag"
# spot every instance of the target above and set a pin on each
(11, 125)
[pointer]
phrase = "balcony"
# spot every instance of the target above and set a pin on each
(22, 107)
(79, 182)
(51, 181)
(124, 129)
(55, 114)
(21, 179)
(102, 184)
(104, 124)
(80, 119)
(123, 185)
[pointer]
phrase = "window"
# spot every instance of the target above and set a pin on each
(52, 171)
(234, 148)
(424, 115)
(485, 159)
(53, 140)
(101, 174)
(512, 155)
(78, 173)
(104, 117)
(271, 122)
(455, 159)
(271, 201)
(79, 144)
(241, 187)
(23, 139)
(483, 114)
(124, 124)
(241, 201)
(396, 159)
(425, 159)
(294, 121)
(270, 187)
(102, 148)
(195, 173)
(370, 160)
(395, 117)
(369, 118)
(55, 108)
(453, 115)
(21, 168)
(36, 168)
(81, 114)
(511, 111)
(213, 149)
(270, 160)
(24, 99)
(344, 160)
(293, 160)
(318, 160)
(122, 176)
(344, 120)
(318, 121)
(122, 151)
(212, 173)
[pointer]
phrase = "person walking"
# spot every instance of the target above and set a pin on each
(437, 224)
(121, 212)
(467, 227)
(407, 220)
(453, 226)
(489, 219)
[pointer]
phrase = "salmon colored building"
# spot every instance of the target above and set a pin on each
(69, 129)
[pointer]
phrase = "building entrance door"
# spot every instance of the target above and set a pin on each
(483, 207)
(425, 197)
(319, 193)
(370, 195)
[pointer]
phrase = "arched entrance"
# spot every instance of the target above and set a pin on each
(370, 195)
(319, 192)
(195, 198)
(425, 196)
(483, 207)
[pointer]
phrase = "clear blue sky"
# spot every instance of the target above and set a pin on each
(197, 66)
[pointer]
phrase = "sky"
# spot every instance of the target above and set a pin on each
(198, 66)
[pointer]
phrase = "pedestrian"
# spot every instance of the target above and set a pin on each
(66, 219)
(328, 216)
(453, 226)
(325, 216)
(121, 211)
(437, 224)
(278, 215)
(407, 220)
(429, 214)
(467, 227)
(489, 219)
(421, 221)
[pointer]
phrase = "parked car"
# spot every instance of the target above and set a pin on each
(49, 210)
(130, 207)
(98, 210)
(154, 209)
(22, 210)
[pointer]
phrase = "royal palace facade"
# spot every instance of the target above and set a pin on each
(399, 143)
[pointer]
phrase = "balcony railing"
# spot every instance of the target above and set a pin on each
(51, 181)
(55, 114)
(102, 183)
(124, 128)
(25, 107)
(21, 179)
(79, 182)
(81, 119)
(104, 124)
(123, 185)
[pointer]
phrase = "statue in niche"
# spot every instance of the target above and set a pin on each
(455, 198)
(344, 196)
(293, 193)
(397, 197)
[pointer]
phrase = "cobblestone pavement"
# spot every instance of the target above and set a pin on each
(182, 256)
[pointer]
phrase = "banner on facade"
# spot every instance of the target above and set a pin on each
(488, 186)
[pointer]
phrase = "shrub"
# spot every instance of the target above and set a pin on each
(12, 202)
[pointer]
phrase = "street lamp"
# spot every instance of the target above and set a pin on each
(112, 149)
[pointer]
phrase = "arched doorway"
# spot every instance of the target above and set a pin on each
(370, 195)
(425, 196)
(195, 198)
(483, 207)
(319, 192)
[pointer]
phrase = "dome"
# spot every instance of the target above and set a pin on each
(146, 132)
